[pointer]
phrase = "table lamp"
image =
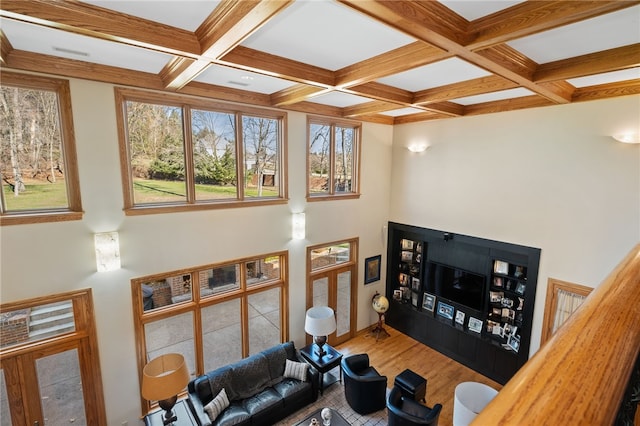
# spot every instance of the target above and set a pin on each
(162, 380)
(320, 322)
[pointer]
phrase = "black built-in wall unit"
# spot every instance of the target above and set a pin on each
(469, 298)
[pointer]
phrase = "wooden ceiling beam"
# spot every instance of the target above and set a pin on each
(5, 47)
(609, 90)
(382, 92)
(474, 87)
(416, 19)
(369, 108)
(229, 24)
(593, 63)
(531, 17)
(413, 55)
(507, 105)
(277, 66)
(295, 94)
(89, 20)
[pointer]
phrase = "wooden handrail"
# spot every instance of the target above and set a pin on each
(580, 375)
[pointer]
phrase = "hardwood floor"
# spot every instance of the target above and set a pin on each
(391, 355)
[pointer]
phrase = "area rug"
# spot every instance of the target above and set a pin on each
(334, 398)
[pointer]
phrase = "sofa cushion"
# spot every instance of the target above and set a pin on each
(217, 405)
(296, 370)
(250, 376)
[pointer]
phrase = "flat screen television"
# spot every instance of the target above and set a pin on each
(459, 286)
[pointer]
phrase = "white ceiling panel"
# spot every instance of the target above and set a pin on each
(495, 96)
(434, 75)
(38, 39)
(609, 77)
(339, 99)
(245, 80)
(605, 32)
(474, 9)
(402, 111)
(324, 34)
(185, 14)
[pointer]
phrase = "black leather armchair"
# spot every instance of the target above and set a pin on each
(405, 411)
(365, 390)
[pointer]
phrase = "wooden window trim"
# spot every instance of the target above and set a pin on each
(551, 305)
(196, 304)
(188, 103)
(72, 180)
(357, 144)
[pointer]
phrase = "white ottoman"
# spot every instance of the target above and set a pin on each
(470, 399)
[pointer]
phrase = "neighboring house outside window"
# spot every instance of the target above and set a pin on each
(181, 153)
(37, 153)
(333, 152)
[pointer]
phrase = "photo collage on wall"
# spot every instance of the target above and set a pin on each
(409, 288)
(506, 303)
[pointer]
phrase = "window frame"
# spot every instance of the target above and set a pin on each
(197, 304)
(355, 178)
(72, 181)
(187, 104)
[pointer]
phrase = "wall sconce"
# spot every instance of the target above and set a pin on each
(627, 138)
(418, 147)
(107, 246)
(298, 226)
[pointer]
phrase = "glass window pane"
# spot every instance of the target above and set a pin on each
(330, 255)
(214, 155)
(31, 150)
(171, 335)
(36, 323)
(156, 143)
(344, 159)
(319, 158)
(261, 157)
(61, 388)
(221, 334)
(219, 280)
(264, 320)
(5, 418)
(166, 292)
(321, 292)
(263, 270)
(343, 308)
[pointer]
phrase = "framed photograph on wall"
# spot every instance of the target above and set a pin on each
(520, 288)
(406, 256)
(460, 317)
(372, 269)
(415, 284)
(429, 302)
(397, 294)
(406, 244)
(475, 325)
(445, 310)
(500, 267)
(514, 342)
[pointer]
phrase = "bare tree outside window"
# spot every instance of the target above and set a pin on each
(36, 173)
(332, 158)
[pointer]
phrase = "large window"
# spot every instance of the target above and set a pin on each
(187, 153)
(213, 315)
(332, 159)
(37, 156)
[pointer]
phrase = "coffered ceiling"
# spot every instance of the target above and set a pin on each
(384, 61)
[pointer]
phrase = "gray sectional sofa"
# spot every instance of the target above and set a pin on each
(256, 389)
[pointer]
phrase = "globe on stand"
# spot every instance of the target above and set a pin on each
(380, 305)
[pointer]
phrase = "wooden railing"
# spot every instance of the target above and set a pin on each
(580, 375)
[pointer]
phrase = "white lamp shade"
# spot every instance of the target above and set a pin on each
(320, 321)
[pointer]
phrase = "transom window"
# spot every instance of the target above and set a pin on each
(37, 155)
(332, 159)
(184, 153)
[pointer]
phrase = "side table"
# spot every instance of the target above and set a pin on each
(181, 409)
(330, 360)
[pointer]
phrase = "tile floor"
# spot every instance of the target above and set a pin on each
(334, 397)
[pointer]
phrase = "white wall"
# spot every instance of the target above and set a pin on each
(50, 258)
(550, 178)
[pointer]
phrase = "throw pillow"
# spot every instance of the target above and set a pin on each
(296, 370)
(217, 404)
